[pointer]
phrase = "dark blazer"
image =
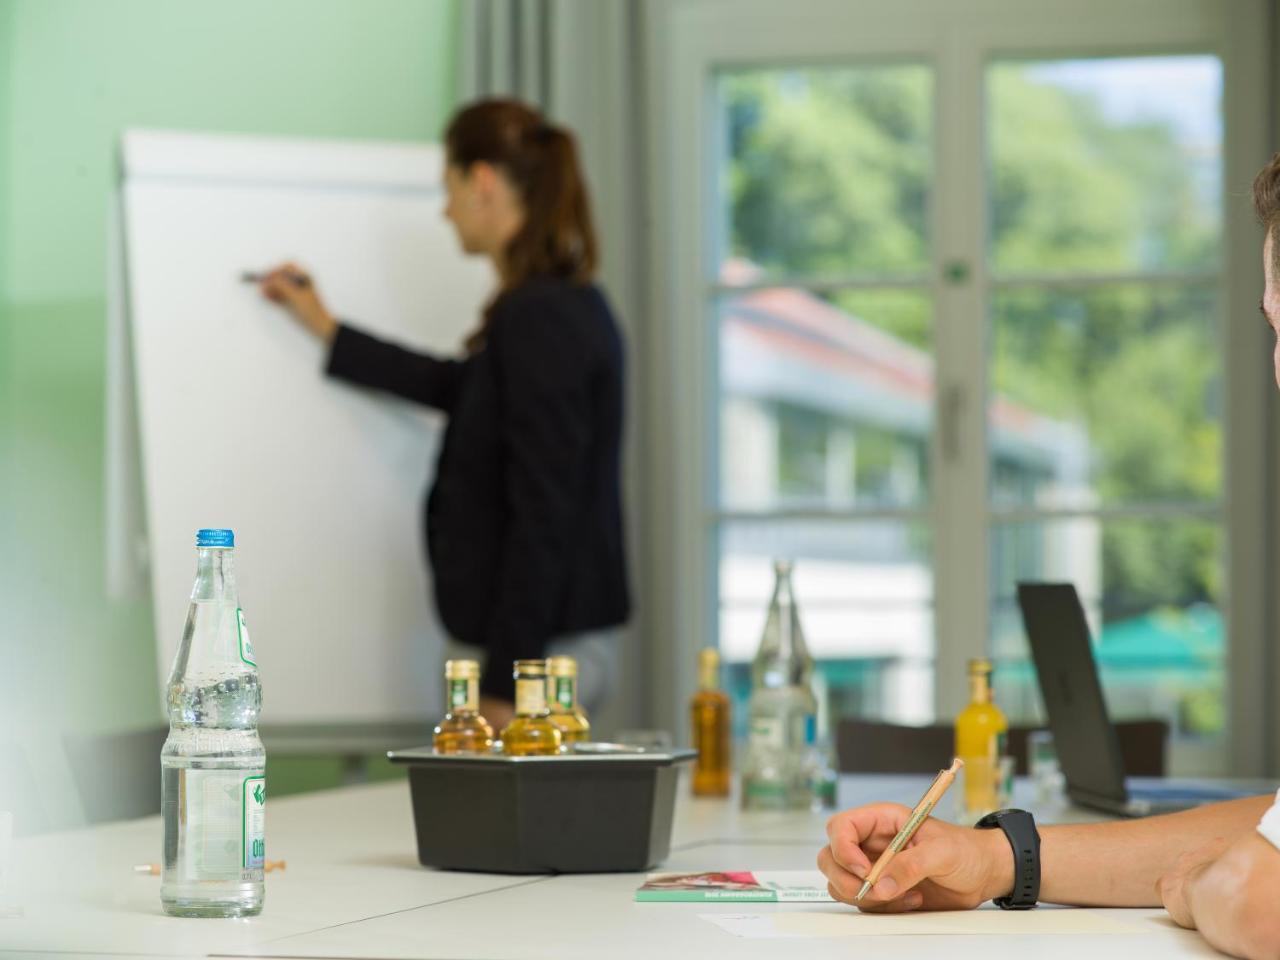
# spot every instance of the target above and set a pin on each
(524, 521)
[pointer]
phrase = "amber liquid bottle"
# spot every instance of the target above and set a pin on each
(531, 732)
(981, 730)
(710, 717)
(463, 730)
(562, 693)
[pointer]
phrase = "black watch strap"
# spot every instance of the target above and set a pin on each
(1020, 829)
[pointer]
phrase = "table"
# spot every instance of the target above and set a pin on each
(353, 888)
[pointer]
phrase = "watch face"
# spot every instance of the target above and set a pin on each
(993, 819)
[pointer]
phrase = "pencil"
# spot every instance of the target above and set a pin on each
(918, 816)
(153, 869)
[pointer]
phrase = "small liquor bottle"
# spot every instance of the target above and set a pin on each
(531, 732)
(562, 692)
(463, 730)
(981, 729)
(710, 722)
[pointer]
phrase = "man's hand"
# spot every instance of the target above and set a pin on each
(1173, 886)
(1227, 892)
(944, 867)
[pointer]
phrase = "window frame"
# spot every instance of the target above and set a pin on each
(687, 41)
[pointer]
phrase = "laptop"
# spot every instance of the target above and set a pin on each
(1086, 743)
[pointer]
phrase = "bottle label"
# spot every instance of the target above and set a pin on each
(531, 697)
(254, 821)
(224, 823)
(463, 695)
(764, 791)
(768, 732)
(564, 692)
(246, 646)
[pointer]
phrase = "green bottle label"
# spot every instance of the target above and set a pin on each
(254, 821)
(564, 692)
(246, 647)
(767, 732)
(458, 694)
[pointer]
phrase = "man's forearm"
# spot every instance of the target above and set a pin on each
(1118, 864)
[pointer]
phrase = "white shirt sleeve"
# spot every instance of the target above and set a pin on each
(1269, 826)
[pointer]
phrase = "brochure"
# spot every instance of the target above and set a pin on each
(767, 886)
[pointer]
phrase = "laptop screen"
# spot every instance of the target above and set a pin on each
(1088, 750)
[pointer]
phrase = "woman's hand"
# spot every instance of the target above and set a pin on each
(944, 867)
(292, 287)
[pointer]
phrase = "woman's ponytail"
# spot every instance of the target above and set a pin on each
(557, 237)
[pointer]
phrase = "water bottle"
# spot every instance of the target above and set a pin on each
(213, 794)
(782, 711)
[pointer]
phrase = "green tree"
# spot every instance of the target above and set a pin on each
(829, 176)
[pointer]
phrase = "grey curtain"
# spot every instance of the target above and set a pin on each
(506, 49)
(580, 61)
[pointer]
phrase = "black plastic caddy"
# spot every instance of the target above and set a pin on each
(602, 811)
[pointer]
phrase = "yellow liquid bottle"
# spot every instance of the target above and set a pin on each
(981, 730)
(531, 732)
(562, 693)
(463, 730)
(710, 721)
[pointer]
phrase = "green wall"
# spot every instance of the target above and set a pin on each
(73, 75)
(6, 70)
(7, 538)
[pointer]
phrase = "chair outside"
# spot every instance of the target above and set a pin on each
(865, 746)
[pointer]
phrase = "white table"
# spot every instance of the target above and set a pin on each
(353, 888)
(350, 856)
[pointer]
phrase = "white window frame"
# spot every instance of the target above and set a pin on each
(686, 41)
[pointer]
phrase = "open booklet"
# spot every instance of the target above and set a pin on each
(769, 886)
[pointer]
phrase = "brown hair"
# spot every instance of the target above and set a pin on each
(1266, 203)
(540, 159)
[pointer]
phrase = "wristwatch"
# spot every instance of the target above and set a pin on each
(1020, 829)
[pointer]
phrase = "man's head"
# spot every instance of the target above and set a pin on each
(1266, 201)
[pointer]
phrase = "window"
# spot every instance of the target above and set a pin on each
(1105, 418)
(824, 318)
(977, 307)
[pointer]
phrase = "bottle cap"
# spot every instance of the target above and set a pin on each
(461, 670)
(525, 669)
(562, 666)
(708, 668)
(981, 665)
(210, 537)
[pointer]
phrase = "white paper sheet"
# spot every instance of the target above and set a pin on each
(847, 922)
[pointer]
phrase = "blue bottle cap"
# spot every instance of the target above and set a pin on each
(215, 538)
